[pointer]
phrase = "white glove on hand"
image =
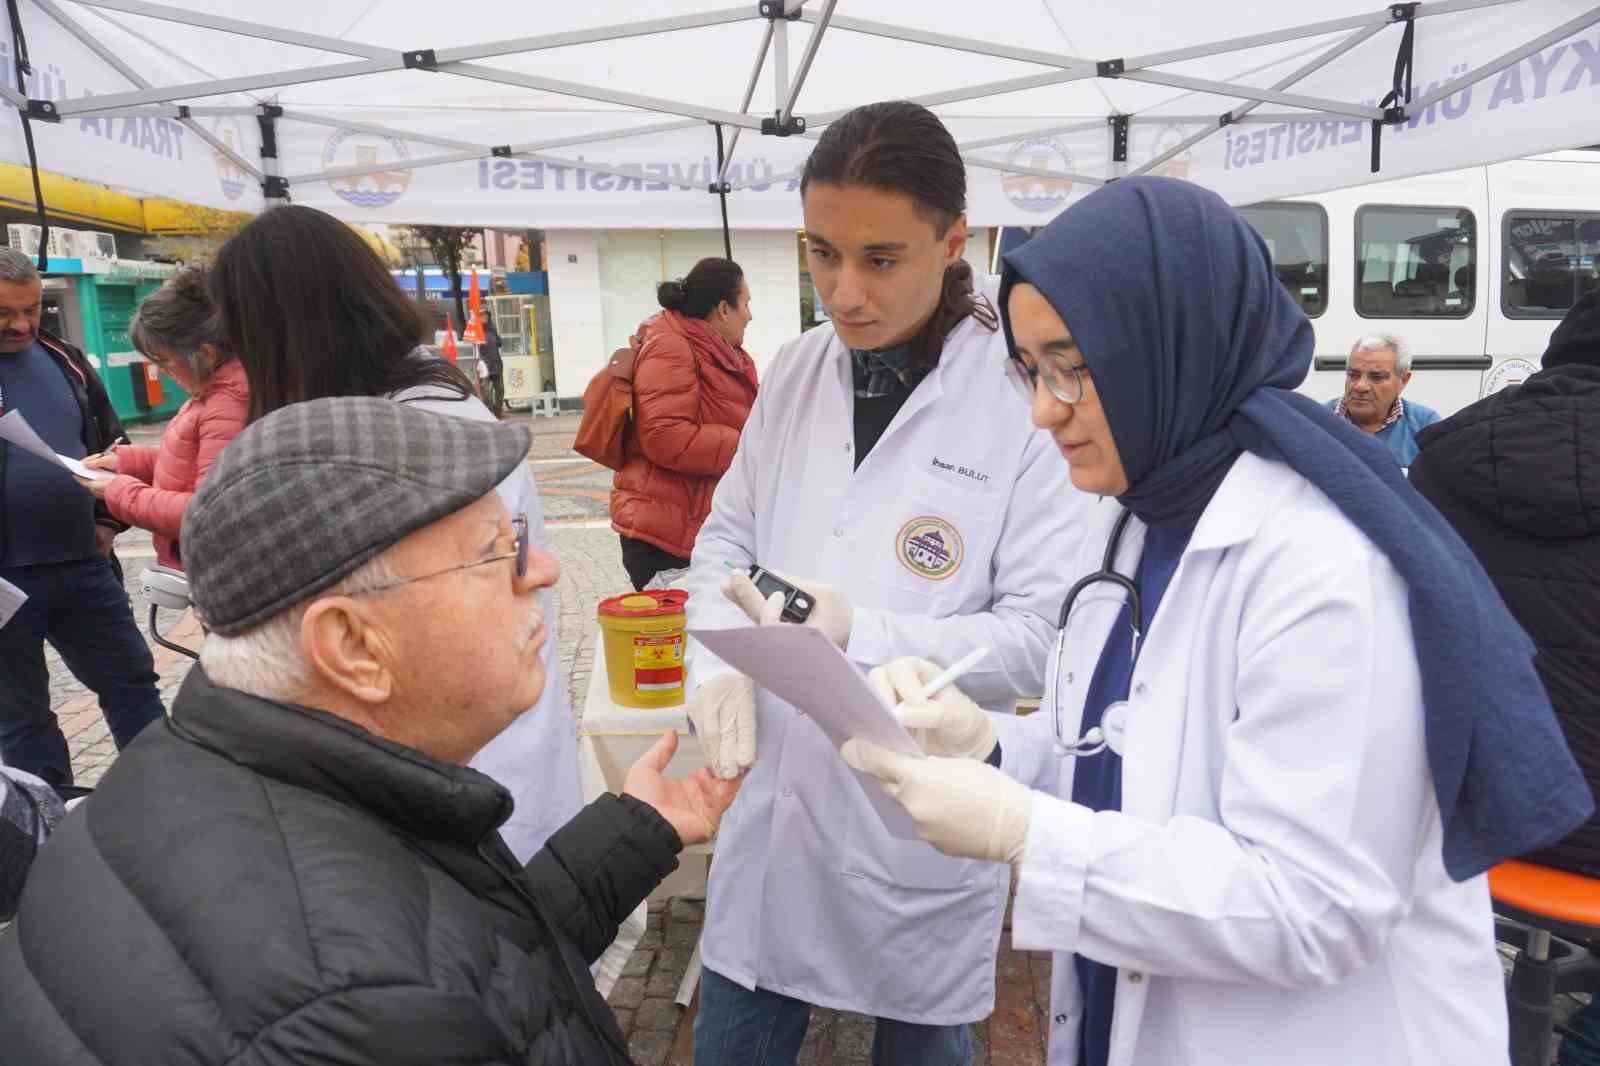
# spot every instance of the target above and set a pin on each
(964, 808)
(830, 610)
(950, 725)
(723, 711)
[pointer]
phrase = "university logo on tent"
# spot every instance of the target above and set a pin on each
(930, 547)
(1030, 191)
(1167, 138)
(350, 148)
(233, 177)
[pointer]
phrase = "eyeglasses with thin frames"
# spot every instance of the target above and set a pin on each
(519, 524)
(1064, 381)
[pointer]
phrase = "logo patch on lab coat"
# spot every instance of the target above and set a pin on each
(930, 547)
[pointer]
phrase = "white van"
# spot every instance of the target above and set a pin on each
(1473, 268)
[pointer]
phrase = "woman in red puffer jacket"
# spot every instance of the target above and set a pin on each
(172, 328)
(693, 387)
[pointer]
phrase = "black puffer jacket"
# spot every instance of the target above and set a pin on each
(255, 883)
(1518, 475)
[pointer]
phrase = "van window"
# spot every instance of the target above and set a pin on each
(1297, 238)
(1415, 262)
(1551, 259)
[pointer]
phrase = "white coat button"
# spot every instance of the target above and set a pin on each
(847, 445)
(1135, 977)
(838, 531)
(1069, 677)
(1138, 690)
(788, 792)
(1061, 1019)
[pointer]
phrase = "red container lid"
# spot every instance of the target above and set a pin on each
(657, 603)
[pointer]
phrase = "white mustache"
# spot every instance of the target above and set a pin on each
(530, 627)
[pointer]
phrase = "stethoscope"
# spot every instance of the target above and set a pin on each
(1113, 723)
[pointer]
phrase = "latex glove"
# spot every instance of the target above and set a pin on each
(830, 610)
(692, 805)
(723, 711)
(948, 725)
(962, 807)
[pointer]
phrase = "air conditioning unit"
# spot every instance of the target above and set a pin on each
(63, 243)
(23, 238)
(93, 244)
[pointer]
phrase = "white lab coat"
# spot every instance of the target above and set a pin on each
(809, 896)
(1273, 889)
(536, 757)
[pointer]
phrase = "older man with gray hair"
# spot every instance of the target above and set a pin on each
(1377, 373)
(299, 866)
(55, 545)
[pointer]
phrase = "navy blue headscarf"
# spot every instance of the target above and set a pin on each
(1195, 349)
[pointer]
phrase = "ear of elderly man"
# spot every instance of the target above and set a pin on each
(297, 865)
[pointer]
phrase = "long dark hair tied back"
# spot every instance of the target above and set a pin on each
(898, 146)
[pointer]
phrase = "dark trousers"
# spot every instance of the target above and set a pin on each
(83, 611)
(643, 561)
(494, 392)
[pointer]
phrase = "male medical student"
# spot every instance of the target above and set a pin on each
(883, 471)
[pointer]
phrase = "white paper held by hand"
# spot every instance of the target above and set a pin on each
(801, 666)
(11, 600)
(15, 429)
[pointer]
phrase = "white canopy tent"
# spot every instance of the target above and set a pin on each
(608, 114)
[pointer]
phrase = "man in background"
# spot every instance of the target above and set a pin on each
(1378, 372)
(55, 545)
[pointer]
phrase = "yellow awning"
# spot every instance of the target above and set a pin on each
(89, 204)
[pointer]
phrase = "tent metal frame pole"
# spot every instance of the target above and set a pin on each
(14, 98)
(1052, 131)
(174, 111)
(780, 65)
(975, 92)
(168, 93)
(116, 63)
(1516, 55)
(535, 157)
(615, 32)
(242, 28)
(609, 96)
(1382, 17)
(1059, 175)
(959, 44)
(809, 56)
(1350, 42)
(749, 95)
(1246, 92)
(472, 152)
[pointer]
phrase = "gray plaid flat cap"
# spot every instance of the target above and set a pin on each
(302, 498)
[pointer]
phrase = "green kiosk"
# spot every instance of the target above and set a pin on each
(90, 302)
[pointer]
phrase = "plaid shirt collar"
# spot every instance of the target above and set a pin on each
(1396, 413)
(886, 372)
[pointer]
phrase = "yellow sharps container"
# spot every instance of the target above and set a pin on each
(644, 638)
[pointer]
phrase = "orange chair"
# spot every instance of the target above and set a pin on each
(1553, 918)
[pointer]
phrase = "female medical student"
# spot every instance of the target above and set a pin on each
(882, 469)
(1289, 723)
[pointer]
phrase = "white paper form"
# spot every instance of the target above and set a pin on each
(801, 666)
(15, 429)
(11, 601)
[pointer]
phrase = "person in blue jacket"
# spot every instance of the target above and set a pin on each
(1378, 372)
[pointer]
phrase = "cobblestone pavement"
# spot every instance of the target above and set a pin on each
(574, 493)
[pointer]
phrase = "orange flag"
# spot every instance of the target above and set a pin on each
(448, 348)
(474, 330)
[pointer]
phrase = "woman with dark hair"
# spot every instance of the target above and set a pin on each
(876, 464)
(174, 328)
(1289, 723)
(693, 386)
(311, 311)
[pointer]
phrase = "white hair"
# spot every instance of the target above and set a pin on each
(1378, 342)
(268, 661)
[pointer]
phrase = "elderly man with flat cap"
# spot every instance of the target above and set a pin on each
(298, 866)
